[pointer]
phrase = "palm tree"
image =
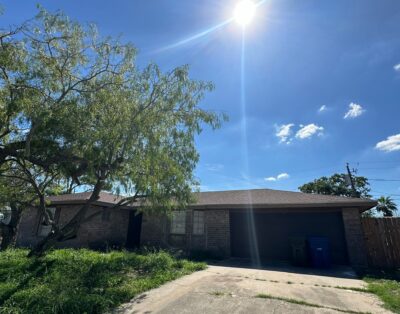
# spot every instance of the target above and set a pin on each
(386, 206)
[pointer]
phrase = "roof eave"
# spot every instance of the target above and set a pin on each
(82, 202)
(363, 206)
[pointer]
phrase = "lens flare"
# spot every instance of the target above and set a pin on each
(244, 12)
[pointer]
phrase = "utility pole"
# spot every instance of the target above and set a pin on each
(353, 187)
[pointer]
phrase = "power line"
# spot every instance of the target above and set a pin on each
(377, 162)
(390, 194)
(385, 180)
(337, 167)
(378, 168)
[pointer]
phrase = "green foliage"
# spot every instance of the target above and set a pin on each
(13, 190)
(82, 281)
(387, 290)
(337, 185)
(386, 206)
(76, 106)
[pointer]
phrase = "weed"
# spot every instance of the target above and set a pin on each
(305, 303)
(82, 281)
(217, 293)
(387, 290)
(290, 300)
(352, 288)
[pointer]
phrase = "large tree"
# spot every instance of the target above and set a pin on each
(75, 108)
(338, 184)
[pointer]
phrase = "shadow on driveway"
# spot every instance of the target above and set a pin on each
(338, 271)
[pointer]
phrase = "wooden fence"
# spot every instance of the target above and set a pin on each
(382, 237)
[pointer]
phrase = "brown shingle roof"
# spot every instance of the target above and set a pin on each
(261, 198)
(267, 198)
(106, 199)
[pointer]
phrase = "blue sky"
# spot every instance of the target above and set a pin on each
(299, 57)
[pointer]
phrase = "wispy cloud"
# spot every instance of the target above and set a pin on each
(355, 110)
(214, 167)
(391, 144)
(219, 181)
(280, 176)
(322, 108)
(204, 188)
(309, 130)
(283, 132)
(396, 67)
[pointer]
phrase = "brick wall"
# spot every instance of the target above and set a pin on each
(354, 238)
(218, 231)
(216, 237)
(96, 233)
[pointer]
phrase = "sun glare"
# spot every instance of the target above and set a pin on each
(244, 12)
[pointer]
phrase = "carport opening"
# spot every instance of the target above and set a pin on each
(271, 234)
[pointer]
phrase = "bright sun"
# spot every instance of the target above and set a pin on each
(244, 12)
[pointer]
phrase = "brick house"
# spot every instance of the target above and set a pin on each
(230, 223)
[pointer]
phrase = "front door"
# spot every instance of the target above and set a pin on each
(134, 229)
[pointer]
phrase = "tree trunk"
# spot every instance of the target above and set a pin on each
(70, 230)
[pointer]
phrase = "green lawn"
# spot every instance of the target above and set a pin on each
(82, 281)
(387, 290)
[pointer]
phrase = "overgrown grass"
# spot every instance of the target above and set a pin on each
(387, 290)
(82, 281)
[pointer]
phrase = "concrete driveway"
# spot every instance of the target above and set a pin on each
(223, 289)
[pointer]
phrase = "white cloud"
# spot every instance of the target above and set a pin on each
(397, 67)
(283, 176)
(322, 108)
(391, 144)
(284, 132)
(280, 176)
(355, 110)
(309, 130)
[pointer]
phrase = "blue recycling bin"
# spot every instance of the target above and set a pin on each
(319, 252)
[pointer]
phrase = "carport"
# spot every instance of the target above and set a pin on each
(267, 233)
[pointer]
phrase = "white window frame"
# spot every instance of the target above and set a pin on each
(198, 222)
(43, 229)
(178, 222)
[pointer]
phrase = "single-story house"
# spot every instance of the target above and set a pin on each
(237, 223)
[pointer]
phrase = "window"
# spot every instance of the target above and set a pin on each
(178, 222)
(44, 229)
(198, 222)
